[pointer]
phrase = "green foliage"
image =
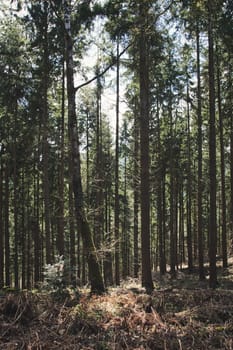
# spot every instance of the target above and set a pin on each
(56, 281)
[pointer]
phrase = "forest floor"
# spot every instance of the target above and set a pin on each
(180, 314)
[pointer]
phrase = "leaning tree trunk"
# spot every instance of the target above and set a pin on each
(96, 280)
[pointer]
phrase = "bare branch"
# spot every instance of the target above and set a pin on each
(164, 11)
(97, 76)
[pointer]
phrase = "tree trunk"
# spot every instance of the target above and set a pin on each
(200, 179)
(223, 222)
(144, 149)
(45, 144)
(231, 155)
(189, 192)
(1, 227)
(34, 224)
(16, 203)
(117, 209)
(172, 192)
(136, 190)
(97, 285)
(212, 155)
(162, 257)
(7, 232)
(60, 234)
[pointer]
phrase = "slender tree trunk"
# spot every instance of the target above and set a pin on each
(108, 271)
(24, 237)
(97, 285)
(162, 257)
(164, 226)
(1, 228)
(136, 190)
(73, 260)
(231, 155)
(200, 176)
(212, 155)
(7, 224)
(45, 144)
(125, 230)
(144, 150)
(189, 193)
(60, 235)
(172, 191)
(117, 209)
(223, 222)
(16, 204)
(181, 225)
(98, 217)
(35, 229)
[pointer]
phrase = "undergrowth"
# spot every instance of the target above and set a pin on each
(180, 314)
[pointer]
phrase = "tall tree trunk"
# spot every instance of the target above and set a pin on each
(45, 144)
(117, 209)
(60, 235)
(35, 229)
(108, 268)
(24, 237)
(212, 154)
(189, 191)
(222, 166)
(172, 192)
(136, 190)
(230, 89)
(97, 285)
(181, 225)
(144, 149)
(162, 257)
(16, 204)
(1, 227)
(200, 176)
(98, 217)
(7, 226)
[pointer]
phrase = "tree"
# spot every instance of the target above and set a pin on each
(97, 285)
(144, 146)
(212, 152)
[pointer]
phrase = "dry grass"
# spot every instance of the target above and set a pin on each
(180, 314)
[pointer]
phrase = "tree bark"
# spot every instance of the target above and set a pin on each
(144, 150)
(222, 167)
(96, 280)
(1, 227)
(212, 155)
(117, 209)
(200, 175)
(60, 234)
(45, 144)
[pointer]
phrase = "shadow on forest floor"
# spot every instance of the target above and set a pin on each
(180, 314)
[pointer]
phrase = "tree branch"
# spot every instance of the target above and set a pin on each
(97, 76)
(164, 11)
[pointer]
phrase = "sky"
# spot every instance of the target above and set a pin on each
(109, 94)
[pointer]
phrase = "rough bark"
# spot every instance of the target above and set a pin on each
(144, 150)
(212, 155)
(96, 280)
(200, 175)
